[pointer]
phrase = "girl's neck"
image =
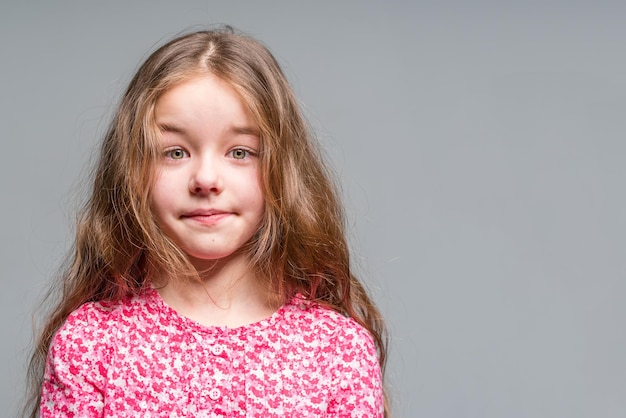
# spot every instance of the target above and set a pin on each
(227, 294)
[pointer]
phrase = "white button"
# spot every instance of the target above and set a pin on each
(217, 349)
(215, 394)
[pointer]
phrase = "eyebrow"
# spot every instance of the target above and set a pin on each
(240, 130)
(167, 127)
(245, 130)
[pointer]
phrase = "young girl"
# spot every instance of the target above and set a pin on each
(210, 274)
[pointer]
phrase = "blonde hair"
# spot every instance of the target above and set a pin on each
(301, 245)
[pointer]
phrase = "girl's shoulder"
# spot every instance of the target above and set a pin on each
(315, 321)
(337, 344)
(101, 312)
(97, 321)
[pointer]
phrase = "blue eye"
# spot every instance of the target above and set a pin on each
(176, 153)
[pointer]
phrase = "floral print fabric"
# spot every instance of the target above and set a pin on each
(140, 358)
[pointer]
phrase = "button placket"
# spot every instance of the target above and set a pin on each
(212, 384)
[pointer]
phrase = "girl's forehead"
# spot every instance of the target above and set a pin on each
(204, 105)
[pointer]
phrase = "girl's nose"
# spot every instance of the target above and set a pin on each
(205, 178)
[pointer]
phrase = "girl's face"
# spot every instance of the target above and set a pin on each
(206, 195)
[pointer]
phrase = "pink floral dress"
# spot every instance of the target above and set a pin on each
(140, 358)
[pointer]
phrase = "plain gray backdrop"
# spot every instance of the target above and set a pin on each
(481, 150)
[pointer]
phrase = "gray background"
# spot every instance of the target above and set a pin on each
(481, 149)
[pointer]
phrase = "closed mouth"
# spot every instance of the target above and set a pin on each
(204, 213)
(207, 217)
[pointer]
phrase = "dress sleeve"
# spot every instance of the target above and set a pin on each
(357, 378)
(75, 372)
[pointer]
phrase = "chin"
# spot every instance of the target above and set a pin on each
(208, 257)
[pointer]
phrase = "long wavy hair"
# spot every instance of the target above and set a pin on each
(301, 245)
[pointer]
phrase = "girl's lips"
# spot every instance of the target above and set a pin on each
(203, 212)
(206, 217)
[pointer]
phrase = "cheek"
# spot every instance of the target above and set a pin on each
(165, 183)
(255, 191)
(159, 193)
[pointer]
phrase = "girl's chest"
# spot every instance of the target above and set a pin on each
(224, 375)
